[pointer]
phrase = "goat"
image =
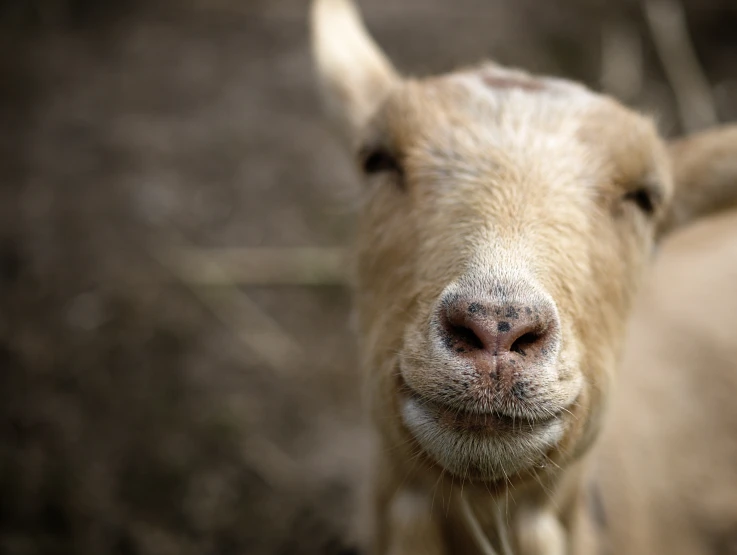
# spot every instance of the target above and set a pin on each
(507, 222)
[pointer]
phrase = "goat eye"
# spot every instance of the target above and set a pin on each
(378, 161)
(643, 199)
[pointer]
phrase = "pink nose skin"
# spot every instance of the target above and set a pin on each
(496, 336)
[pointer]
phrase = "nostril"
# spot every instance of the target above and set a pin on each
(524, 342)
(465, 336)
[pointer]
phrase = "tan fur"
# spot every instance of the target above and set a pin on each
(705, 165)
(666, 462)
(498, 180)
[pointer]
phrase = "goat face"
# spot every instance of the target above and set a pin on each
(506, 224)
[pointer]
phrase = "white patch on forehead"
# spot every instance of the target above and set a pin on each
(527, 95)
(500, 78)
(535, 121)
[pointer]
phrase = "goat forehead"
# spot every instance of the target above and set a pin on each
(474, 134)
(553, 131)
(531, 96)
(515, 106)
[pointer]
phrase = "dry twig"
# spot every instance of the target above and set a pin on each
(214, 277)
(621, 60)
(260, 266)
(667, 22)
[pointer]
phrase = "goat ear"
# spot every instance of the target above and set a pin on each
(354, 74)
(705, 175)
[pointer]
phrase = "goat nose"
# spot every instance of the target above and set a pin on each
(483, 328)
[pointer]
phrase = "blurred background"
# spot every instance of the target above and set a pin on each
(177, 369)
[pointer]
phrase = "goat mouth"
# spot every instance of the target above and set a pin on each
(460, 420)
(488, 447)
